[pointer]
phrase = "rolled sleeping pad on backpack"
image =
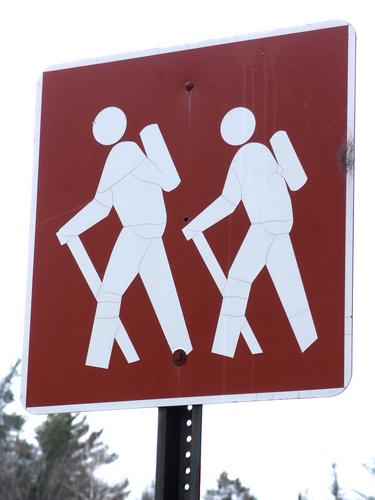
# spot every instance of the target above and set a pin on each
(286, 156)
(157, 151)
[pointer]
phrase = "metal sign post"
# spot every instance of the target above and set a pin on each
(179, 453)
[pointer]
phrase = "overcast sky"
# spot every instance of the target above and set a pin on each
(276, 448)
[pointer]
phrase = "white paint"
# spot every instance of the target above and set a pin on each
(132, 183)
(290, 166)
(260, 181)
(237, 126)
(219, 278)
(109, 125)
(92, 278)
(197, 400)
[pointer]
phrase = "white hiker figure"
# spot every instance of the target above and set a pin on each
(259, 179)
(133, 184)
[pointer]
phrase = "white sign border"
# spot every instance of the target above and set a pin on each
(349, 234)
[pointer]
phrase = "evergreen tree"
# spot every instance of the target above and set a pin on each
(69, 456)
(335, 487)
(371, 470)
(302, 496)
(149, 493)
(229, 489)
(17, 457)
(61, 466)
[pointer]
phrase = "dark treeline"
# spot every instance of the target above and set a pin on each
(62, 461)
